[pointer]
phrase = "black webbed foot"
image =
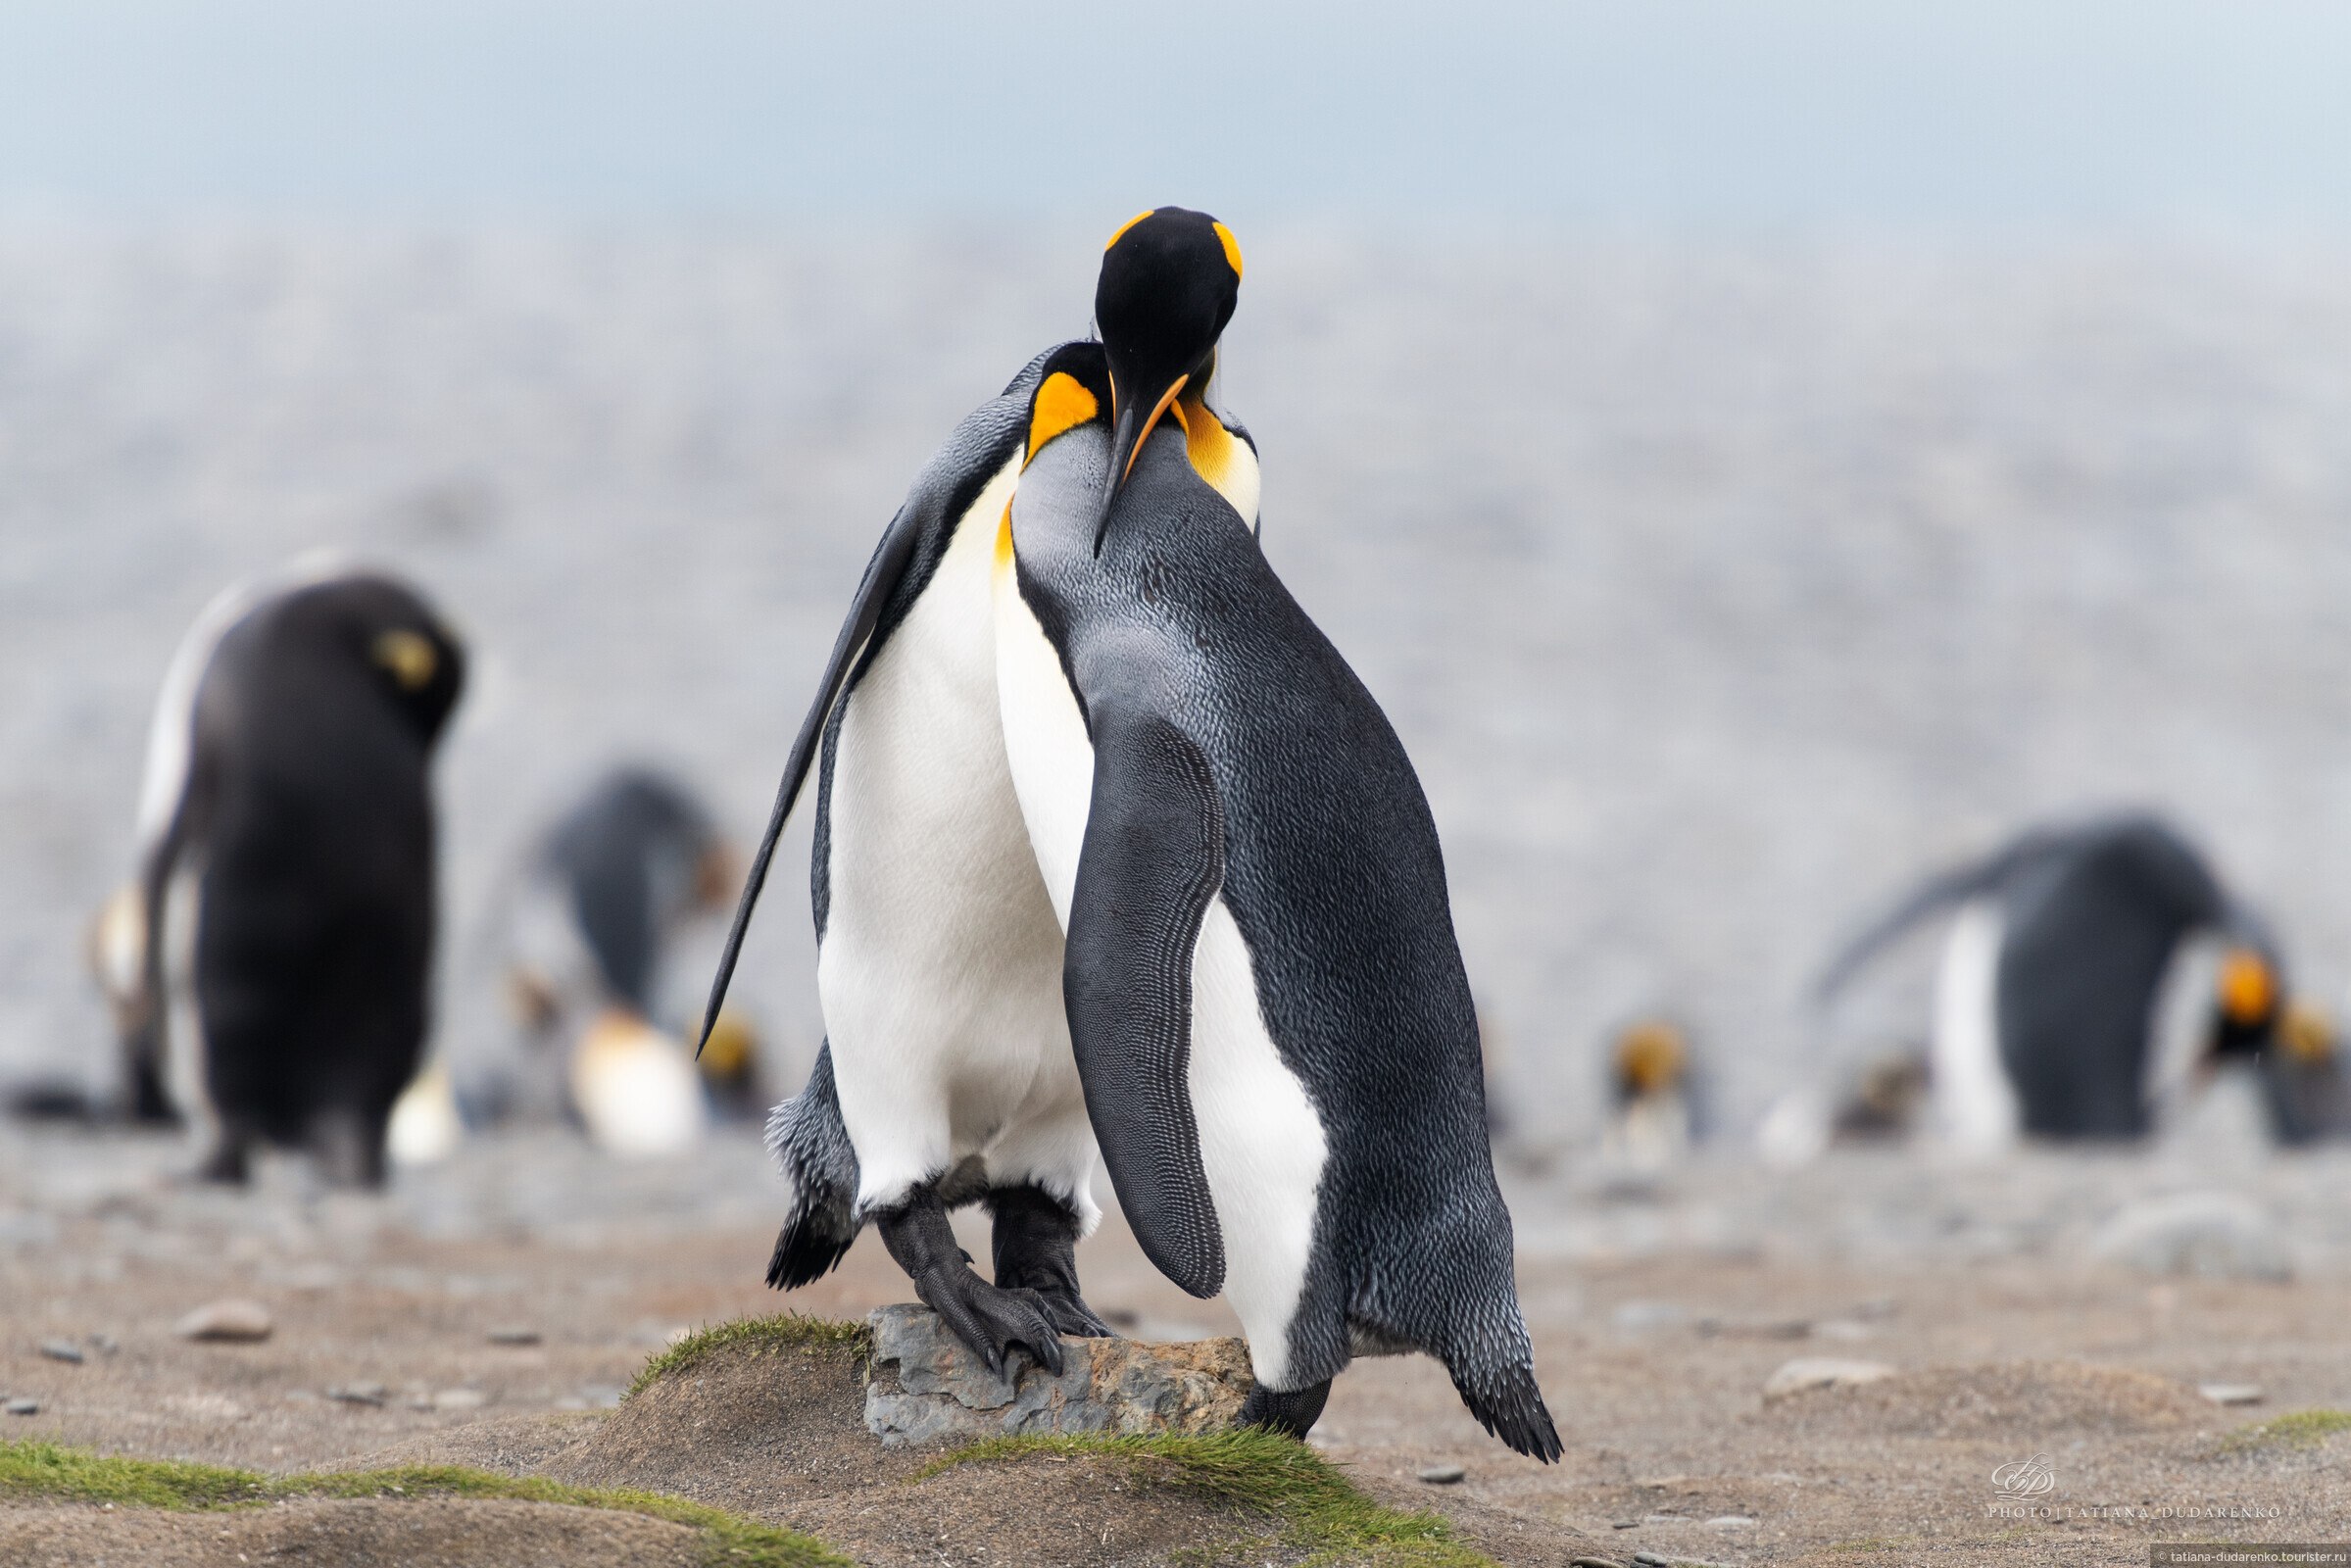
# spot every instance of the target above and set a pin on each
(992, 1320)
(1292, 1414)
(1035, 1243)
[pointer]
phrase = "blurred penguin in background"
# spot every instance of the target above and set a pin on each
(1653, 1113)
(621, 876)
(285, 909)
(2093, 977)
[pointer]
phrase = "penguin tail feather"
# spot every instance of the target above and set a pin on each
(812, 1147)
(1510, 1407)
(806, 1249)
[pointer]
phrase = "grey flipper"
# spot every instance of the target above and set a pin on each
(1154, 858)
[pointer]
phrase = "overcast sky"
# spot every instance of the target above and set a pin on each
(1807, 112)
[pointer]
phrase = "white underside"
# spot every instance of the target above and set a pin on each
(939, 969)
(185, 1048)
(1975, 1107)
(1262, 1143)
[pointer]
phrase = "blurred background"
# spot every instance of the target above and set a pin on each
(1755, 452)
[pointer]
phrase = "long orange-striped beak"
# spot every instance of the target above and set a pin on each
(1129, 430)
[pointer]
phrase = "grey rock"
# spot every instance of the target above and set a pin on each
(23, 1407)
(2231, 1393)
(2211, 1235)
(1443, 1475)
(924, 1385)
(227, 1322)
(61, 1350)
(1809, 1372)
(460, 1400)
(1594, 1563)
(369, 1394)
(514, 1336)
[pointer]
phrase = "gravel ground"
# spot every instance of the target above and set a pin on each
(1661, 1307)
(1714, 589)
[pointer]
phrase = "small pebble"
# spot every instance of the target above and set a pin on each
(23, 1407)
(232, 1322)
(61, 1350)
(1626, 1524)
(1443, 1475)
(370, 1394)
(514, 1336)
(1731, 1521)
(2231, 1393)
(104, 1343)
(460, 1400)
(1594, 1563)
(1650, 1560)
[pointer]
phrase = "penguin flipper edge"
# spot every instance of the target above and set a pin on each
(1152, 861)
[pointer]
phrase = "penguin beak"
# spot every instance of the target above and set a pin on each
(1130, 427)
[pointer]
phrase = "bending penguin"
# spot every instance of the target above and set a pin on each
(2051, 1003)
(616, 880)
(1266, 1003)
(947, 1076)
(287, 869)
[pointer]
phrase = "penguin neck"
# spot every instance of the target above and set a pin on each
(1225, 460)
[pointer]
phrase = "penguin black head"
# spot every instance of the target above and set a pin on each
(407, 657)
(1170, 280)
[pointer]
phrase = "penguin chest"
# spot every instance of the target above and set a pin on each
(940, 964)
(1049, 753)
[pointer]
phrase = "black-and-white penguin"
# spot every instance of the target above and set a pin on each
(1268, 1007)
(288, 869)
(605, 897)
(947, 1076)
(2051, 1003)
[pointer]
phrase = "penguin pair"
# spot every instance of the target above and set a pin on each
(2051, 1003)
(605, 897)
(286, 888)
(1112, 848)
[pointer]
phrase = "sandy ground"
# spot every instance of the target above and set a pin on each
(1659, 1308)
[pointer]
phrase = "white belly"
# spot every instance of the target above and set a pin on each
(1261, 1144)
(939, 969)
(1975, 1103)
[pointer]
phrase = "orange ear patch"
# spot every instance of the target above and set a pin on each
(1137, 219)
(1231, 246)
(1062, 403)
(2248, 990)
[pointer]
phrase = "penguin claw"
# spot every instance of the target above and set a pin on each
(994, 1322)
(1072, 1316)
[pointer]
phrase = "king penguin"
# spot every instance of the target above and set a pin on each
(1268, 1008)
(2051, 1015)
(287, 874)
(947, 1076)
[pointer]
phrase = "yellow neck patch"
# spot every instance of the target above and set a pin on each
(1206, 442)
(2248, 990)
(409, 656)
(1231, 246)
(1137, 219)
(1062, 403)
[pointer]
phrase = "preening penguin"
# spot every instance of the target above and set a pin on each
(2048, 1008)
(947, 1076)
(290, 855)
(1268, 1006)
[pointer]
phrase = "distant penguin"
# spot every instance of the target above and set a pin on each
(619, 877)
(1652, 1091)
(2049, 1007)
(1269, 1010)
(287, 883)
(947, 1077)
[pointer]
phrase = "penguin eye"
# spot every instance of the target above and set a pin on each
(409, 656)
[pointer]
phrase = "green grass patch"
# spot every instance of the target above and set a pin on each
(2299, 1429)
(36, 1469)
(785, 1330)
(1319, 1509)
